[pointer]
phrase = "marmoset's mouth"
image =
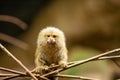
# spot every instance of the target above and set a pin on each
(51, 41)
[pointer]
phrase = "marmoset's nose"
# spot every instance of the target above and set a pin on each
(51, 40)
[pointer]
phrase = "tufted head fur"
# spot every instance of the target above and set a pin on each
(51, 36)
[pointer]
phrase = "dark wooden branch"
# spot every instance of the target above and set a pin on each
(11, 71)
(83, 61)
(59, 75)
(18, 61)
(6, 75)
(109, 57)
(15, 76)
(75, 77)
(102, 56)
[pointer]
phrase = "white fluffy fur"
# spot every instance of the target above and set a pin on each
(48, 30)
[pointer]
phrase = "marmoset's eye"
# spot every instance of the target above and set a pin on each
(48, 35)
(54, 36)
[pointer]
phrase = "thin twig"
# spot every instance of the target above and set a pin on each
(76, 63)
(15, 76)
(109, 57)
(101, 58)
(11, 76)
(12, 71)
(56, 66)
(82, 62)
(19, 62)
(16, 73)
(59, 75)
(75, 77)
(19, 75)
(6, 75)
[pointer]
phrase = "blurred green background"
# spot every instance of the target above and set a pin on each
(90, 26)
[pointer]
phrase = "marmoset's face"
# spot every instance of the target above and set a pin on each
(52, 38)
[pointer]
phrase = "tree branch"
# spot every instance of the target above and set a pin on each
(19, 62)
(102, 56)
(75, 77)
(97, 57)
(59, 75)
(12, 71)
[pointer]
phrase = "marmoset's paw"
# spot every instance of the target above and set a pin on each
(38, 70)
(63, 64)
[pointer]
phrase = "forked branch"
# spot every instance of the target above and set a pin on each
(102, 56)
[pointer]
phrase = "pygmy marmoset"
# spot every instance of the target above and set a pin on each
(51, 49)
